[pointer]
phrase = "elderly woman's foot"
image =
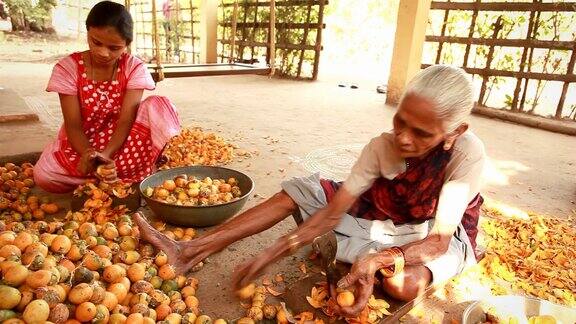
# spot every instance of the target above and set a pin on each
(159, 240)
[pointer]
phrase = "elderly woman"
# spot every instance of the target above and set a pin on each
(410, 205)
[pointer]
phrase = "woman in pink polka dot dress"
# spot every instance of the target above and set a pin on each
(105, 121)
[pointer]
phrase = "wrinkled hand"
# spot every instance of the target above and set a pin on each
(361, 281)
(106, 170)
(248, 271)
(87, 164)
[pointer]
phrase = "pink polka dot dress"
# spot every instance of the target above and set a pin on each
(101, 102)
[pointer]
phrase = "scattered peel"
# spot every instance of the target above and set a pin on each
(273, 292)
(319, 298)
(531, 255)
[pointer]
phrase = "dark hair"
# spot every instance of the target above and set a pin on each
(111, 14)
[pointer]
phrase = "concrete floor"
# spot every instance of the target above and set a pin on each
(298, 128)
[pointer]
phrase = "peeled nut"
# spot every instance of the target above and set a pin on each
(189, 191)
(246, 292)
(103, 171)
(345, 298)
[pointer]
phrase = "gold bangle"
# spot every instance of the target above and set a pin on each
(293, 243)
(399, 262)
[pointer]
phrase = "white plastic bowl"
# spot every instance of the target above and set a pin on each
(520, 307)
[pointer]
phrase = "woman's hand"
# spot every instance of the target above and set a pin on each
(361, 280)
(106, 170)
(86, 164)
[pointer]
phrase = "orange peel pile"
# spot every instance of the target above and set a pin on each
(193, 146)
(98, 204)
(117, 189)
(534, 256)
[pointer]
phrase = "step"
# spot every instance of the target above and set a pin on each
(13, 108)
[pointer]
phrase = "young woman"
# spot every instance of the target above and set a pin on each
(107, 128)
(409, 207)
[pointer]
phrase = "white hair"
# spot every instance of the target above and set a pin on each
(450, 91)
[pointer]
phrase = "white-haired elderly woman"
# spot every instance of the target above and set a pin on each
(409, 207)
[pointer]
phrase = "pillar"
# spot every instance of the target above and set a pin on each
(408, 44)
(209, 31)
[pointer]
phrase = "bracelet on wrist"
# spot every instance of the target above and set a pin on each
(399, 262)
(293, 243)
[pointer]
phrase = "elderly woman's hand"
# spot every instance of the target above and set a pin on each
(247, 272)
(361, 280)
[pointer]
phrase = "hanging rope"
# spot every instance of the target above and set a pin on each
(156, 42)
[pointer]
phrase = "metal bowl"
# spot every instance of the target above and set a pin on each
(519, 307)
(198, 216)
